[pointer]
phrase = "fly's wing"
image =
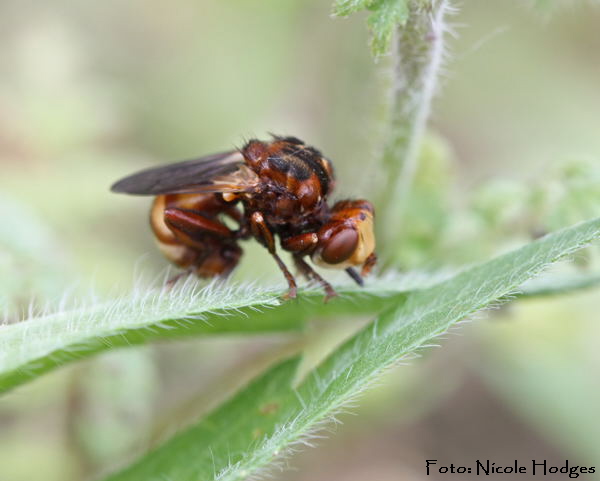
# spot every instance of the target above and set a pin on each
(223, 172)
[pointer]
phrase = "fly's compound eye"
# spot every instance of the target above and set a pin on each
(337, 246)
(346, 243)
(340, 246)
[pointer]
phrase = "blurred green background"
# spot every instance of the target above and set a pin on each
(90, 92)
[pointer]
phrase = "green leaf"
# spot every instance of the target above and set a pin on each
(560, 284)
(258, 424)
(343, 8)
(30, 348)
(385, 16)
(211, 449)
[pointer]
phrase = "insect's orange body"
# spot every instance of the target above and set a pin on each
(208, 255)
(282, 187)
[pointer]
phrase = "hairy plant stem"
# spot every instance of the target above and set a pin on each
(418, 52)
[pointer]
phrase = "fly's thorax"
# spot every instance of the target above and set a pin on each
(298, 175)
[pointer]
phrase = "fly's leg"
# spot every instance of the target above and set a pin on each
(173, 280)
(302, 244)
(214, 244)
(261, 231)
(310, 273)
(191, 227)
(369, 264)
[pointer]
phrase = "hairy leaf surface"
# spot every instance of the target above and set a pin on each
(258, 424)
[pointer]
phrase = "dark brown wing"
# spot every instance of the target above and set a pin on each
(223, 172)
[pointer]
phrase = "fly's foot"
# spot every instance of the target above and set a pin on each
(173, 280)
(291, 294)
(330, 293)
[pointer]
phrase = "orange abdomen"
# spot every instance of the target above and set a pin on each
(208, 254)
